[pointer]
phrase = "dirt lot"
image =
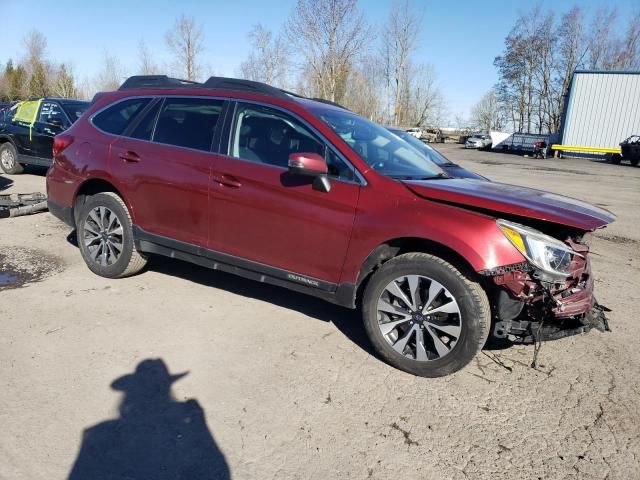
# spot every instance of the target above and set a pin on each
(288, 385)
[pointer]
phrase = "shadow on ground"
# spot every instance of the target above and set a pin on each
(5, 182)
(346, 320)
(155, 436)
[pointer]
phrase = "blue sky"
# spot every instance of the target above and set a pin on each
(459, 38)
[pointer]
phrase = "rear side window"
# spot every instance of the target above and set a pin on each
(116, 118)
(188, 122)
(144, 129)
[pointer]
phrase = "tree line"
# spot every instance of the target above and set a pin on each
(328, 49)
(540, 54)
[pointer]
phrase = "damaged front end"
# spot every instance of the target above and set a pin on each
(551, 295)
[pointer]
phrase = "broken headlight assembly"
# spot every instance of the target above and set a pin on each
(548, 254)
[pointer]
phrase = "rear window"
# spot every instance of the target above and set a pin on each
(188, 122)
(75, 109)
(117, 118)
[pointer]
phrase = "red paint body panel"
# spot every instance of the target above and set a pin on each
(168, 187)
(278, 219)
(512, 199)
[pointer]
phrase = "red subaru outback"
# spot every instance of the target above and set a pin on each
(246, 178)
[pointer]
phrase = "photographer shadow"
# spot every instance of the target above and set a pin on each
(155, 437)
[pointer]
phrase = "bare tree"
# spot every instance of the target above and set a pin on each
(146, 65)
(364, 91)
(64, 84)
(111, 75)
(399, 40)
(600, 38)
(425, 102)
(328, 35)
(486, 114)
(268, 62)
(186, 43)
(35, 45)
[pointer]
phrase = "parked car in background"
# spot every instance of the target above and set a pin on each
(478, 141)
(246, 178)
(27, 130)
(415, 132)
(452, 169)
(629, 150)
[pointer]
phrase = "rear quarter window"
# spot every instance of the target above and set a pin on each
(116, 118)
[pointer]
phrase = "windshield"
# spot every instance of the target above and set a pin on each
(422, 147)
(378, 147)
(75, 109)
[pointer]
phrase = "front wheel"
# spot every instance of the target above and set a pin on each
(425, 317)
(105, 237)
(9, 159)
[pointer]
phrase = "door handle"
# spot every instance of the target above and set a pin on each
(227, 180)
(129, 156)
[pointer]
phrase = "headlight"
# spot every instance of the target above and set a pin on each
(547, 253)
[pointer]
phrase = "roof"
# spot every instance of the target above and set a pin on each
(218, 83)
(609, 72)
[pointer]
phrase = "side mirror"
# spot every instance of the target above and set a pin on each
(56, 122)
(311, 165)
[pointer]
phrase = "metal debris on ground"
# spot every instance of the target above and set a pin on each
(20, 204)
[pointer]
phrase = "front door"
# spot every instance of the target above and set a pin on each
(262, 213)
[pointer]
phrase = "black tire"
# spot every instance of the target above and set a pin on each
(9, 159)
(634, 161)
(616, 158)
(475, 313)
(130, 261)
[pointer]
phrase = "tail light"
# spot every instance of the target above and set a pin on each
(60, 142)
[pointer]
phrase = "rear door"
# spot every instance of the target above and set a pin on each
(262, 213)
(164, 161)
(50, 122)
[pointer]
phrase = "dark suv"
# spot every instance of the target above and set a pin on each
(27, 130)
(246, 178)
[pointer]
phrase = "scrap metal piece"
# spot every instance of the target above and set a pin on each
(20, 204)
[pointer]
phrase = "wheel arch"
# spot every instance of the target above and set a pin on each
(398, 246)
(92, 186)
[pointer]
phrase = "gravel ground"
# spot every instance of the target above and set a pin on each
(281, 385)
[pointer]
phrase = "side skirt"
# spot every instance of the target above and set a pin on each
(341, 294)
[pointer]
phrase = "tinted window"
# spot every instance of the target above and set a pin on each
(266, 135)
(144, 129)
(188, 122)
(52, 111)
(117, 117)
(75, 109)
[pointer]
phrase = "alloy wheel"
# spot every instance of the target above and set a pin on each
(7, 159)
(103, 236)
(419, 318)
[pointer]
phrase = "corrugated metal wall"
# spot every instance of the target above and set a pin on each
(603, 109)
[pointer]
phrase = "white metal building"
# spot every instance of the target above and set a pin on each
(603, 108)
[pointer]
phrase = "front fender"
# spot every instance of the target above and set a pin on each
(473, 236)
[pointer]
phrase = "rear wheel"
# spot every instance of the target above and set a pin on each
(9, 159)
(634, 161)
(616, 158)
(105, 237)
(425, 317)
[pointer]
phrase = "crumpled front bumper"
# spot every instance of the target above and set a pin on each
(538, 308)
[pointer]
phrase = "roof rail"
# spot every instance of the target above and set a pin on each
(156, 81)
(224, 83)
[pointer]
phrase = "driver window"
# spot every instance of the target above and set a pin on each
(52, 111)
(266, 135)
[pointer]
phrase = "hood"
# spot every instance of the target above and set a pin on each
(514, 200)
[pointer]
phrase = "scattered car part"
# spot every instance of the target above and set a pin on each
(20, 204)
